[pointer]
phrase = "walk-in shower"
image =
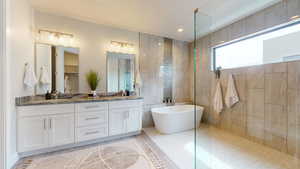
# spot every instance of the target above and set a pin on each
(259, 73)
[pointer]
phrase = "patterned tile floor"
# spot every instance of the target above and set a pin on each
(131, 153)
(217, 149)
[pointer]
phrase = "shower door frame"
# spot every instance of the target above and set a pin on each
(3, 66)
(195, 90)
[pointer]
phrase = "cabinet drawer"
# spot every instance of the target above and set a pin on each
(92, 118)
(125, 104)
(87, 107)
(45, 110)
(91, 132)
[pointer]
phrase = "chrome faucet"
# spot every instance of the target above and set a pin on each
(169, 101)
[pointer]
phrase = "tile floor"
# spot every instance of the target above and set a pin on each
(217, 149)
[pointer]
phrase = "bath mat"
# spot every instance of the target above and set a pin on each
(137, 152)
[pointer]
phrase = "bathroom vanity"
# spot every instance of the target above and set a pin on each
(50, 125)
(45, 126)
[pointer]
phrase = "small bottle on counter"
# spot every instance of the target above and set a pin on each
(48, 95)
(127, 93)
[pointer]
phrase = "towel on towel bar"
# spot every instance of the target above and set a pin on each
(231, 97)
(45, 76)
(29, 77)
(218, 100)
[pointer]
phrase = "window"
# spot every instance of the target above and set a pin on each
(276, 45)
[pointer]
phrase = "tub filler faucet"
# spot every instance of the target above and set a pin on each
(169, 101)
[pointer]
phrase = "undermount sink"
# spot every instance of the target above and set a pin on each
(67, 96)
(83, 96)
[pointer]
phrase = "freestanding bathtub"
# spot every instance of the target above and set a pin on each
(173, 119)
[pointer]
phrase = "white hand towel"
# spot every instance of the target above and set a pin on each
(44, 77)
(67, 87)
(29, 77)
(218, 100)
(138, 80)
(231, 97)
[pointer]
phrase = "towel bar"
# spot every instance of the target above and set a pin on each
(218, 72)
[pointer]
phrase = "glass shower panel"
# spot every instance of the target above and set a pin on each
(202, 91)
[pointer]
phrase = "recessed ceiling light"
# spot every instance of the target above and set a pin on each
(180, 30)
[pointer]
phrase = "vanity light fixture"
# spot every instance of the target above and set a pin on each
(220, 42)
(295, 17)
(55, 38)
(121, 47)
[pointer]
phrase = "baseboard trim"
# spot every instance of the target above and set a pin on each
(79, 144)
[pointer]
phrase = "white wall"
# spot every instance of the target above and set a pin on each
(2, 85)
(20, 50)
(93, 41)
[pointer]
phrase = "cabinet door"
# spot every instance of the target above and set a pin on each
(117, 123)
(61, 129)
(32, 133)
(133, 120)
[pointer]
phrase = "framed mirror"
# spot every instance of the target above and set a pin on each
(120, 71)
(57, 69)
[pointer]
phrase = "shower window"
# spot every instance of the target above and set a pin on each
(274, 45)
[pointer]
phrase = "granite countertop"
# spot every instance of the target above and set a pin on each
(32, 101)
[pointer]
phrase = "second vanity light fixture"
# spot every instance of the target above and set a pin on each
(121, 47)
(55, 38)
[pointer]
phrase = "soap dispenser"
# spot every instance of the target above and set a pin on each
(48, 95)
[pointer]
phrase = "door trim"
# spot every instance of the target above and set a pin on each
(3, 67)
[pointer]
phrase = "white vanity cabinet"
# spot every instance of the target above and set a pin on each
(117, 121)
(91, 121)
(45, 126)
(61, 129)
(58, 126)
(32, 133)
(125, 117)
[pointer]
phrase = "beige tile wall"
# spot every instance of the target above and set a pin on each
(269, 110)
(151, 62)
(181, 72)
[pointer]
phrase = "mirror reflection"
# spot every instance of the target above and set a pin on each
(120, 72)
(57, 68)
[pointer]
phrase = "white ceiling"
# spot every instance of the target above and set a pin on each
(158, 17)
